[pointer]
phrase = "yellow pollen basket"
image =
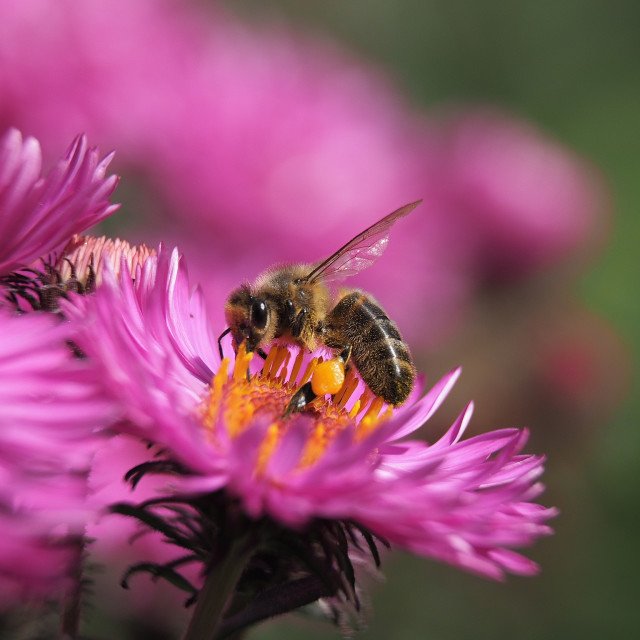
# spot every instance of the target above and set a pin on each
(236, 398)
(328, 377)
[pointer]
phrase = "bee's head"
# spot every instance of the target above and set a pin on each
(250, 317)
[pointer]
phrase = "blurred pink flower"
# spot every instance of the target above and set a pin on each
(464, 502)
(38, 215)
(524, 199)
(50, 407)
(260, 145)
(50, 413)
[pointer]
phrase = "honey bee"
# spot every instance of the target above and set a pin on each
(293, 302)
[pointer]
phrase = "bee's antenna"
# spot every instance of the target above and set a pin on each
(222, 335)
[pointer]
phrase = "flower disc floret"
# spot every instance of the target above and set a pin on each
(236, 399)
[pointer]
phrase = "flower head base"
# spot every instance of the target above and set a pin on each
(78, 269)
(288, 566)
(38, 215)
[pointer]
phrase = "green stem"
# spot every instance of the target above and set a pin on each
(70, 619)
(218, 588)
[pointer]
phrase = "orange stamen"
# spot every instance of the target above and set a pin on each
(281, 354)
(309, 371)
(237, 413)
(355, 410)
(314, 447)
(271, 356)
(241, 366)
(365, 399)
(283, 370)
(353, 385)
(215, 394)
(347, 380)
(296, 367)
(370, 418)
(267, 447)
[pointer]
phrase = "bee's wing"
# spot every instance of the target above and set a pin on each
(360, 252)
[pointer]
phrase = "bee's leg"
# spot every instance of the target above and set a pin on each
(345, 355)
(300, 399)
(333, 340)
(222, 335)
(299, 323)
(290, 312)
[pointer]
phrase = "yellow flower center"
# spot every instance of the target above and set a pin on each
(237, 399)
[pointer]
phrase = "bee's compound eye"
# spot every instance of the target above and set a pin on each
(259, 314)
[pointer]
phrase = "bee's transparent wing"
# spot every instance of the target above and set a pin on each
(360, 252)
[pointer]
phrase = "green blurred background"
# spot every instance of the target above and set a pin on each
(573, 68)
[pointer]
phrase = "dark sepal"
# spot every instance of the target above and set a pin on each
(166, 572)
(154, 522)
(135, 474)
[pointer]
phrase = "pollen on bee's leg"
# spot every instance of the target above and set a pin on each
(328, 377)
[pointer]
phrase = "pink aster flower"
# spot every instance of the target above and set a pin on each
(525, 200)
(325, 483)
(38, 214)
(50, 413)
